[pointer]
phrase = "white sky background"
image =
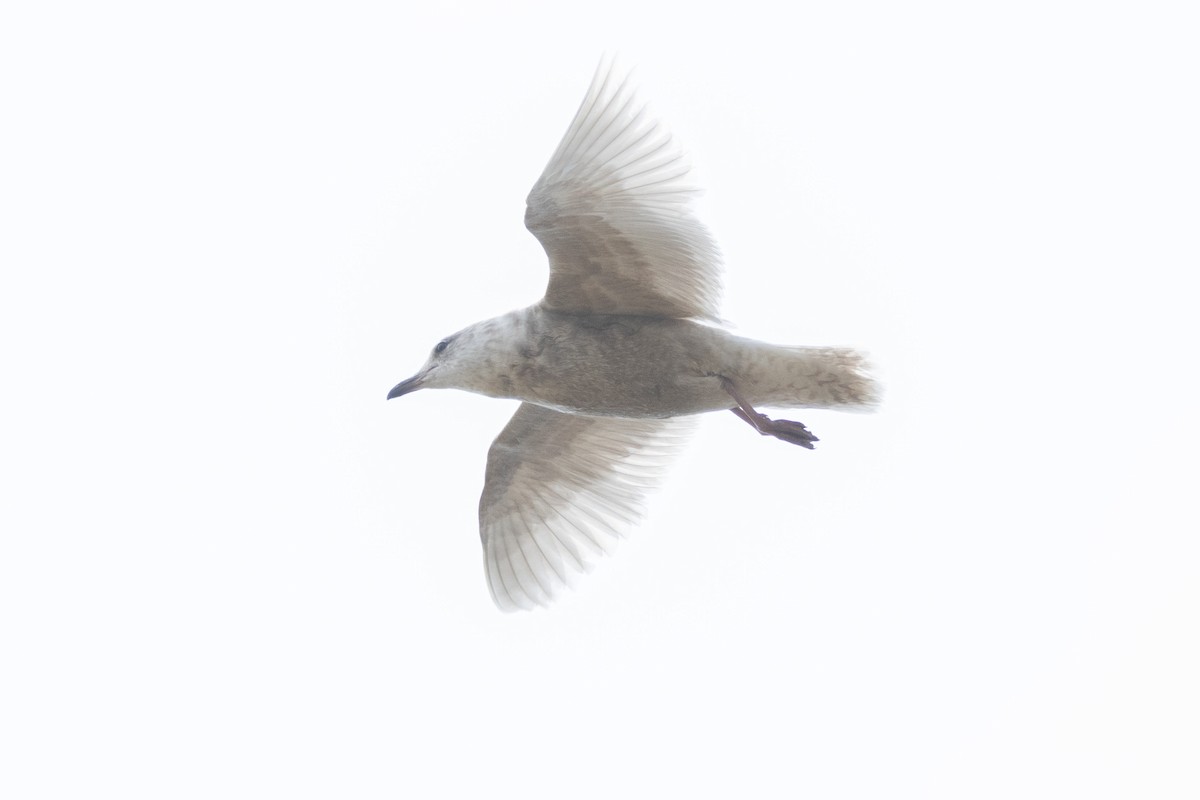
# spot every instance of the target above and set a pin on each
(230, 568)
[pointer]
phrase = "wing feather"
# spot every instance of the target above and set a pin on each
(559, 493)
(612, 210)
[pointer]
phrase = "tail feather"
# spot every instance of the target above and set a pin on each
(815, 377)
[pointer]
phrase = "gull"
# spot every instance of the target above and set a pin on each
(618, 357)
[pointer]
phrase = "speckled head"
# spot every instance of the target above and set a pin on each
(471, 359)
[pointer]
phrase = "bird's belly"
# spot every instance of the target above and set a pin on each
(635, 400)
(640, 368)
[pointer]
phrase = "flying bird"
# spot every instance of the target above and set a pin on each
(618, 357)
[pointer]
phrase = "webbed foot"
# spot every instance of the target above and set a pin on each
(785, 429)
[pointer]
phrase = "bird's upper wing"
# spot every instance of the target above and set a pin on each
(560, 491)
(612, 211)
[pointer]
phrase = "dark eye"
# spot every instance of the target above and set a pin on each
(442, 345)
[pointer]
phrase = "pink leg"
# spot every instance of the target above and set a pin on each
(785, 429)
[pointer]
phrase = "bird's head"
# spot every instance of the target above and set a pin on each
(464, 360)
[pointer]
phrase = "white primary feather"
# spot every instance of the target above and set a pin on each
(612, 210)
(560, 491)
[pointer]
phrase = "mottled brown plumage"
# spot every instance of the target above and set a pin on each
(617, 357)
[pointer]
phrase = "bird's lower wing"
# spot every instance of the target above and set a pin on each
(560, 491)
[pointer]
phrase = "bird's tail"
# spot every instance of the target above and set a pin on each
(812, 377)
